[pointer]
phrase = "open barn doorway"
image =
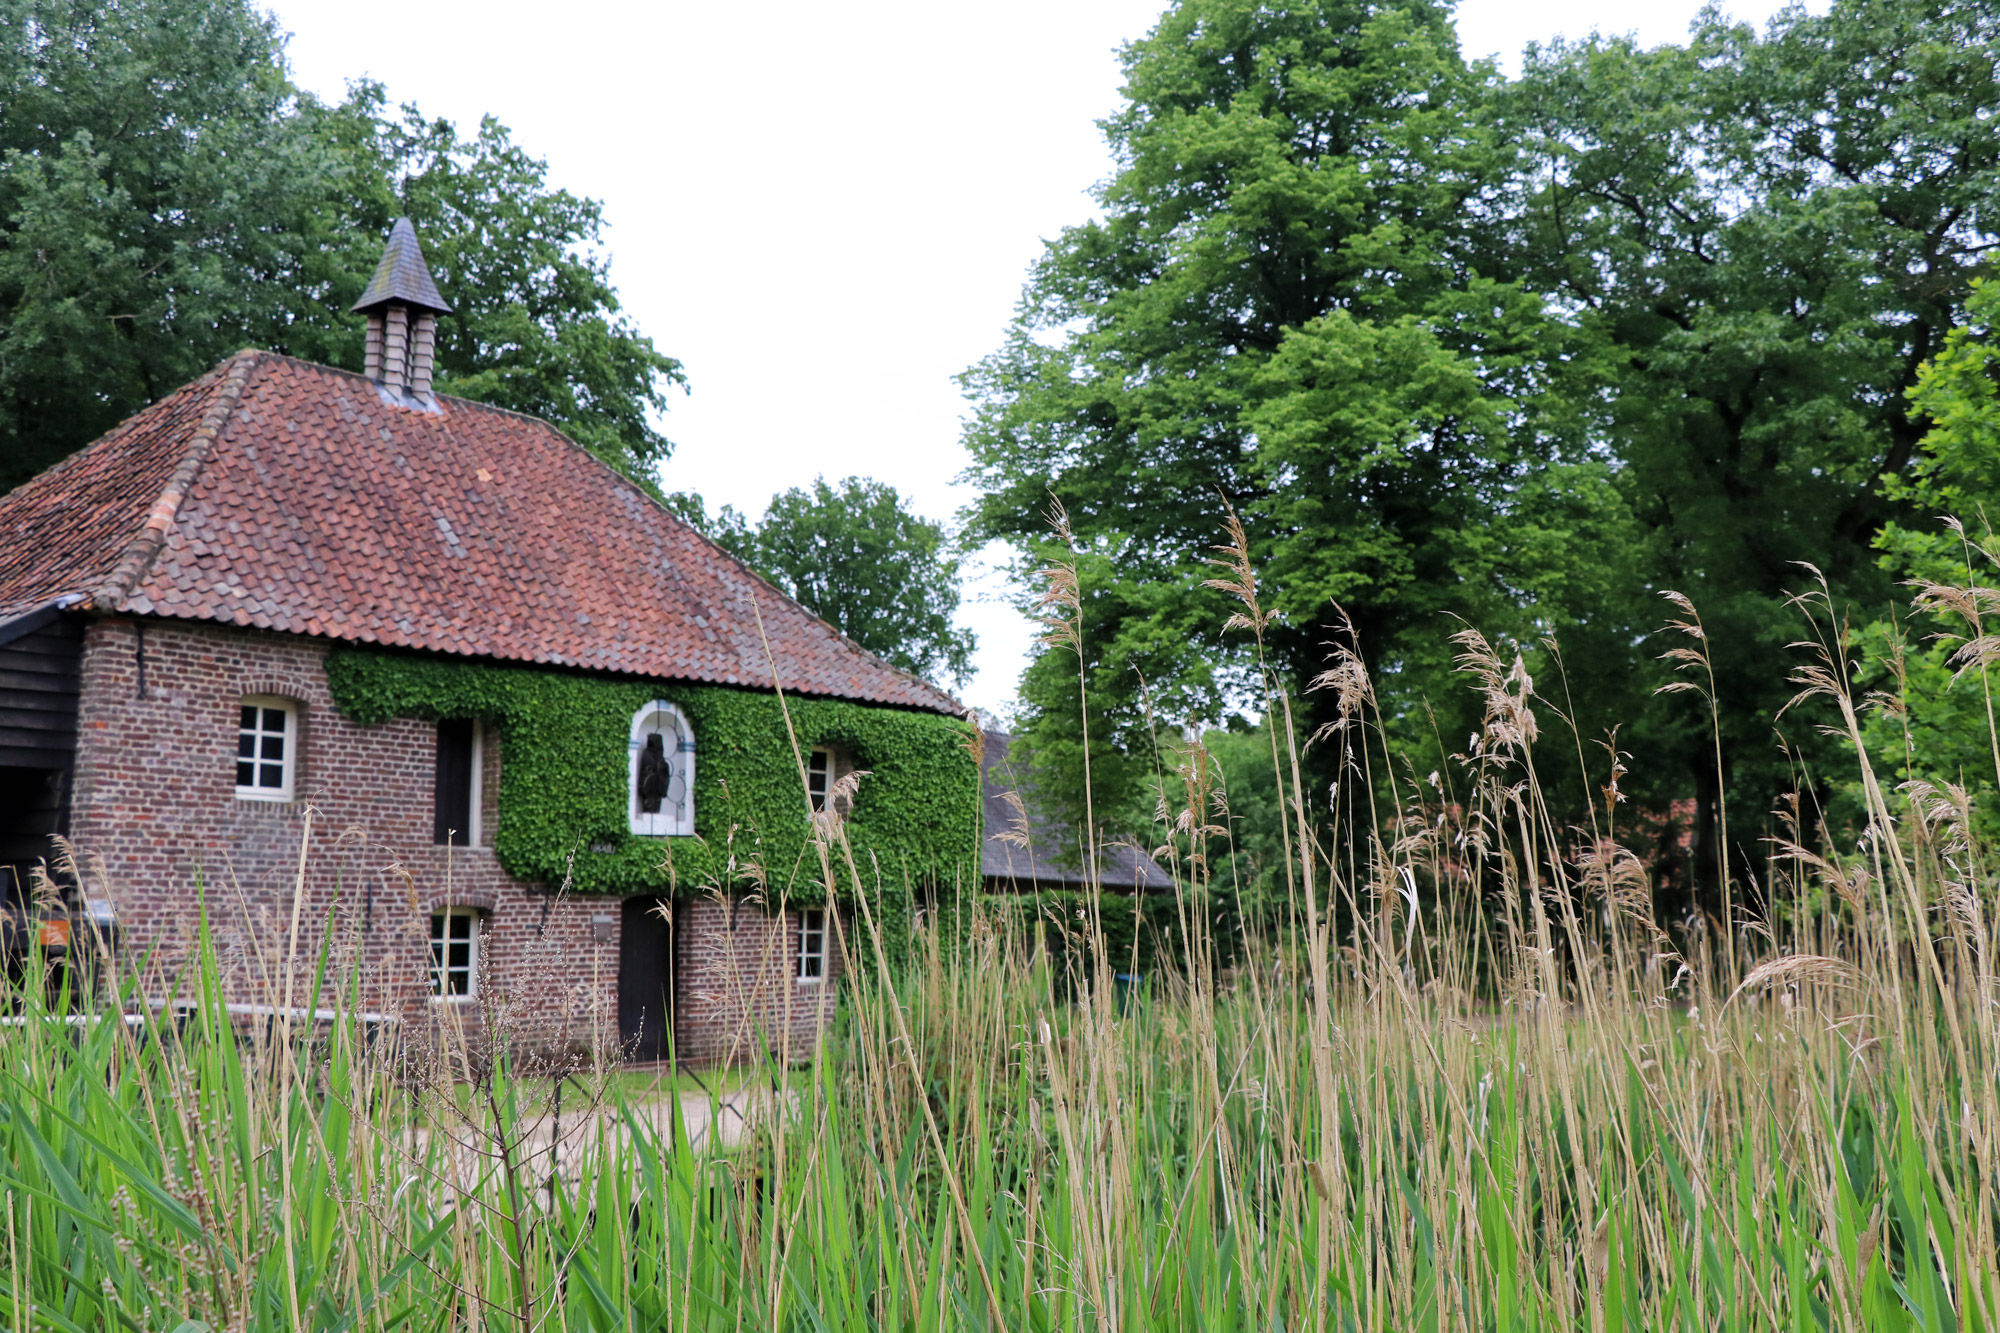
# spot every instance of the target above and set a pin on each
(646, 978)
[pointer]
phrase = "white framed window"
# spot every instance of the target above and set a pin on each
(267, 748)
(455, 936)
(825, 767)
(660, 782)
(812, 944)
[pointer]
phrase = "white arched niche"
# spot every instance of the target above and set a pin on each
(675, 816)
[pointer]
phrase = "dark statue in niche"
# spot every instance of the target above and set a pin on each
(653, 774)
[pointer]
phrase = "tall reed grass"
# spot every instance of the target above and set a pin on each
(1464, 1081)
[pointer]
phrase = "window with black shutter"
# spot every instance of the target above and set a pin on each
(819, 778)
(456, 813)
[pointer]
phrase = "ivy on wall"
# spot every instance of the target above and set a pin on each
(564, 768)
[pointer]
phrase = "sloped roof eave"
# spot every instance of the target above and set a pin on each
(1020, 841)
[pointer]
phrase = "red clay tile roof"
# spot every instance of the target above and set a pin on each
(289, 496)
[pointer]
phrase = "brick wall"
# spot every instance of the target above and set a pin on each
(737, 993)
(159, 828)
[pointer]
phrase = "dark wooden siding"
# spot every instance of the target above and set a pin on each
(41, 661)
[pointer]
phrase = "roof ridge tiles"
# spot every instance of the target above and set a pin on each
(146, 543)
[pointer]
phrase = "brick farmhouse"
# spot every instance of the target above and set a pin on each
(169, 597)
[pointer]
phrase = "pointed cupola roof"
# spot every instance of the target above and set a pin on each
(402, 277)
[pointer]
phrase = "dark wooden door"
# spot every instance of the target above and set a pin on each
(645, 979)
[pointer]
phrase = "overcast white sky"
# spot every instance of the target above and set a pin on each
(825, 210)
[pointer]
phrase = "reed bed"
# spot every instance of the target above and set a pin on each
(1456, 1077)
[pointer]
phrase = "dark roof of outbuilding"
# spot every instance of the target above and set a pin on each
(402, 275)
(1022, 846)
(289, 496)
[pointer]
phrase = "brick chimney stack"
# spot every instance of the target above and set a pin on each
(402, 305)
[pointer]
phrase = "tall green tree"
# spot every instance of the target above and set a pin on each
(156, 199)
(1527, 353)
(856, 555)
(1294, 307)
(1765, 236)
(167, 197)
(1935, 658)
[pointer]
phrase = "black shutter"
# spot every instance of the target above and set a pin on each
(452, 822)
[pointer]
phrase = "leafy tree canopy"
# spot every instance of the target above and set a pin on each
(167, 196)
(1767, 236)
(1930, 672)
(855, 555)
(1523, 353)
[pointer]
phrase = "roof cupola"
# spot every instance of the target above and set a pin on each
(402, 305)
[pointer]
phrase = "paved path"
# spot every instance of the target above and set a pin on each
(722, 1122)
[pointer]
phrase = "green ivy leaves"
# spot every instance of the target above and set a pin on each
(563, 740)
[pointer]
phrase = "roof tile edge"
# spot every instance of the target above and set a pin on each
(146, 544)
